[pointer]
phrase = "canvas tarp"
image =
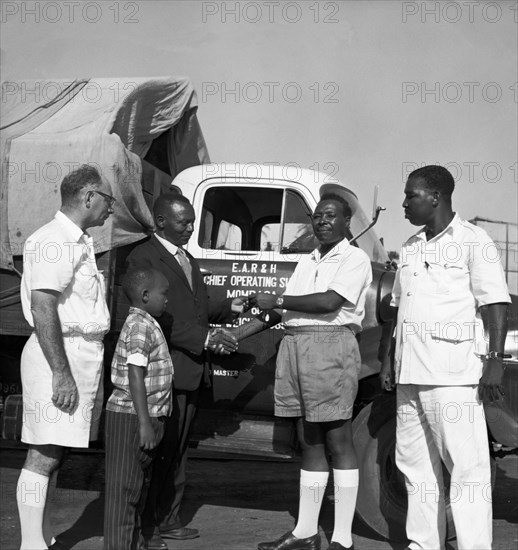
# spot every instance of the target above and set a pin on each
(51, 127)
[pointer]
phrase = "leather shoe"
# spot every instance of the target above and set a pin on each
(337, 546)
(180, 533)
(155, 542)
(290, 542)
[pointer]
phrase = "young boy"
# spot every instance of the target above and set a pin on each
(142, 374)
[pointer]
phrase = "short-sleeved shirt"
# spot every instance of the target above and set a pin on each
(440, 285)
(142, 343)
(344, 269)
(60, 256)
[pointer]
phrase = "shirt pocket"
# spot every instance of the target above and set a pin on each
(87, 281)
(447, 277)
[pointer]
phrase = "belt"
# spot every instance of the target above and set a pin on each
(312, 329)
(94, 336)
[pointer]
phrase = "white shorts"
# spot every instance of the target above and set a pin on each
(43, 423)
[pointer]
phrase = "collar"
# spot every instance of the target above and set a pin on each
(170, 247)
(339, 248)
(142, 312)
(450, 228)
(75, 231)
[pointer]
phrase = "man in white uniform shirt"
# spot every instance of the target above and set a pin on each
(448, 271)
(62, 296)
(316, 380)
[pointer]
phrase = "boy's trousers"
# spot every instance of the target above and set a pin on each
(128, 473)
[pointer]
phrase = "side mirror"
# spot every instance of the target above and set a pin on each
(375, 208)
(375, 215)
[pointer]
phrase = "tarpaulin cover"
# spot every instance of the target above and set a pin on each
(51, 127)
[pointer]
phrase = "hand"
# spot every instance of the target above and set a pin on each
(64, 392)
(263, 301)
(490, 387)
(147, 436)
(222, 342)
(234, 332)
(240, 305)
(386, 376)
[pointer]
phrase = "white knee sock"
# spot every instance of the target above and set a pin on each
(31, 496)
(312, 487)
(47, 528)
(346, 490)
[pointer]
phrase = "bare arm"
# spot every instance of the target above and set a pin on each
(490, 385)
(50, 337)
(139, 395)
(319, 302)
(262, 322)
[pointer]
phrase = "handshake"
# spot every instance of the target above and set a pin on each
(222, 341)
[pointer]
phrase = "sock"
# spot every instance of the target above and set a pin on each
(47, 529)
(31, 495)
(346, 490)
(312, 487)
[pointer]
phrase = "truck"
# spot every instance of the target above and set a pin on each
(252, 227)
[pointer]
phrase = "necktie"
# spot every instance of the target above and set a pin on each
(185, 264)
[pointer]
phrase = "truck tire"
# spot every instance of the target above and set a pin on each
(382, 498)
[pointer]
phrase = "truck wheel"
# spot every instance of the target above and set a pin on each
(382, 498)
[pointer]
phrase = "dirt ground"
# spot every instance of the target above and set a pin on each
(234, 503)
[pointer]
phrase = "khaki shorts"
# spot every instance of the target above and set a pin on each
(317, 373)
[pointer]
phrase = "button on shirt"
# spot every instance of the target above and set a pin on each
(142, 343)
(60, 256)
(439, 287)
(344, 269)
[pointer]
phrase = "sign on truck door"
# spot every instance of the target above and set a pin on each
(243, 238)
(248, 238)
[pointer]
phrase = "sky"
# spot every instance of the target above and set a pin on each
(365, 91)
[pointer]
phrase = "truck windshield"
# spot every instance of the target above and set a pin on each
(252, 218)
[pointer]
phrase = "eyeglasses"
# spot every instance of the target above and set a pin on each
(108, 198)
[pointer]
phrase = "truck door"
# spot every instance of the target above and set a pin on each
(249, 238)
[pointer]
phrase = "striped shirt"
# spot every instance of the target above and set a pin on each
(142, 343)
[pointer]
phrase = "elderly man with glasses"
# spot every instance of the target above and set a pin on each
(63, 299)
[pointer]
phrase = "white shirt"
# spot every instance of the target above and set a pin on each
(344, 269)
(440, 285)
(60, 257)
(170, 247)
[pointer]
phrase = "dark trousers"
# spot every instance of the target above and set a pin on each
(128, 474)
(168, 480)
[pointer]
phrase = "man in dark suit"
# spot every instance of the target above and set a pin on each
(185, 324)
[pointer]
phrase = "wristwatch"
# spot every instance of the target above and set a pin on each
(497, 355)
(279, 301)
